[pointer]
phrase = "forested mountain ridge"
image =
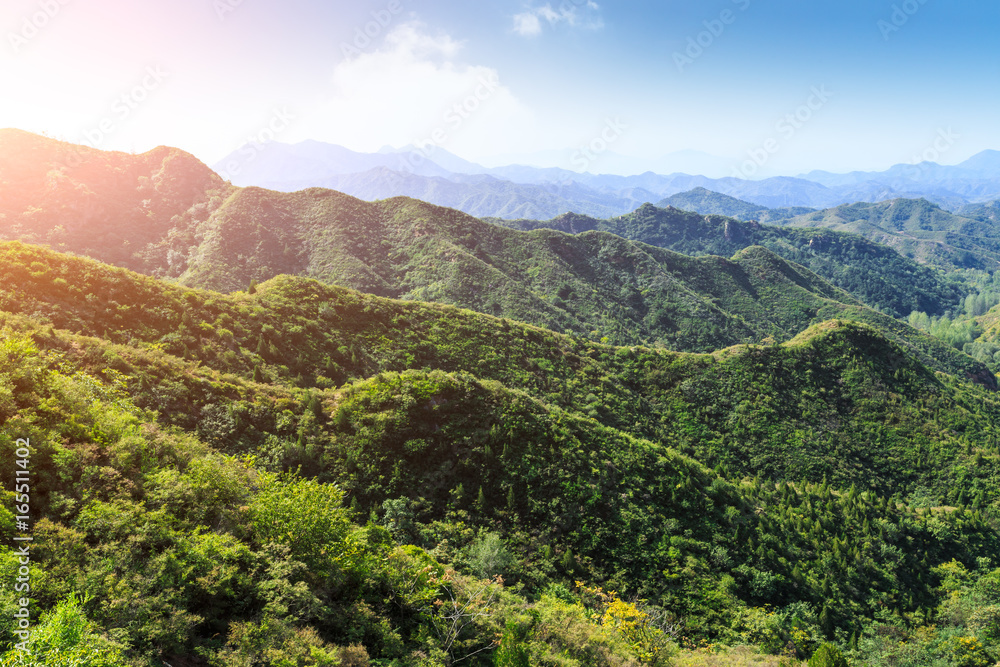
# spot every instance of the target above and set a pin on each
(706, 202)
(875, 274)
(192, 226)
(577, 455)
(629, 291)
(987, 212)
(917, 228)
(107, 205)
(594, 284)
(298, 332)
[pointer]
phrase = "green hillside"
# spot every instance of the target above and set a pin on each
(300, 333)
(160, 413)
(874, 274)
(303, 429)
(166, 214)
(591, 284)
(986, 212)
(918, 229)
(152, 547)
(706, 202)
(107, 205)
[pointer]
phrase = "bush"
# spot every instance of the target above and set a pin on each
(827, 655)
(66, 638)
(489, 557)
(306, 515)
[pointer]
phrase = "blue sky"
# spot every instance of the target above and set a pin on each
(765, 86)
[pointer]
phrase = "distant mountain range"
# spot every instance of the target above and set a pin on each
(166, 214)
(975, 180)
(518, 191)
(917, 228)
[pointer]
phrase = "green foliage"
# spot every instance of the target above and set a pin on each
(415, 438)
(707, 202)
(958, 333)
(192, 486)
(305, 515)
(488, 557)
(917, 229)
(827, 655)
(150, 547)
(511, 650)
(399, 519)
(274, 642)
(64, 637)
(562, 633)
(877, 275)
(972, 330)
(956, 628)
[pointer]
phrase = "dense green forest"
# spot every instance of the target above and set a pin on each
(301, 429)
(918, 229)
(707, 202)
(875, 274)
(174, 430)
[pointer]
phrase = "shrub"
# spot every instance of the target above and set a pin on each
(827, 655)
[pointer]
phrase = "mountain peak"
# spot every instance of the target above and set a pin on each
(708, 202)
(984, 161)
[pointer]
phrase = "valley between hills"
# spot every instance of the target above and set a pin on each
(302, 428)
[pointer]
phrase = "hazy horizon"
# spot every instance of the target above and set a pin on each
(761, 88)
(542, 160)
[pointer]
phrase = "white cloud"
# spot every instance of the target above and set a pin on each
(415, 89)
(411, 41)
(527, 24)
(584, 14)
